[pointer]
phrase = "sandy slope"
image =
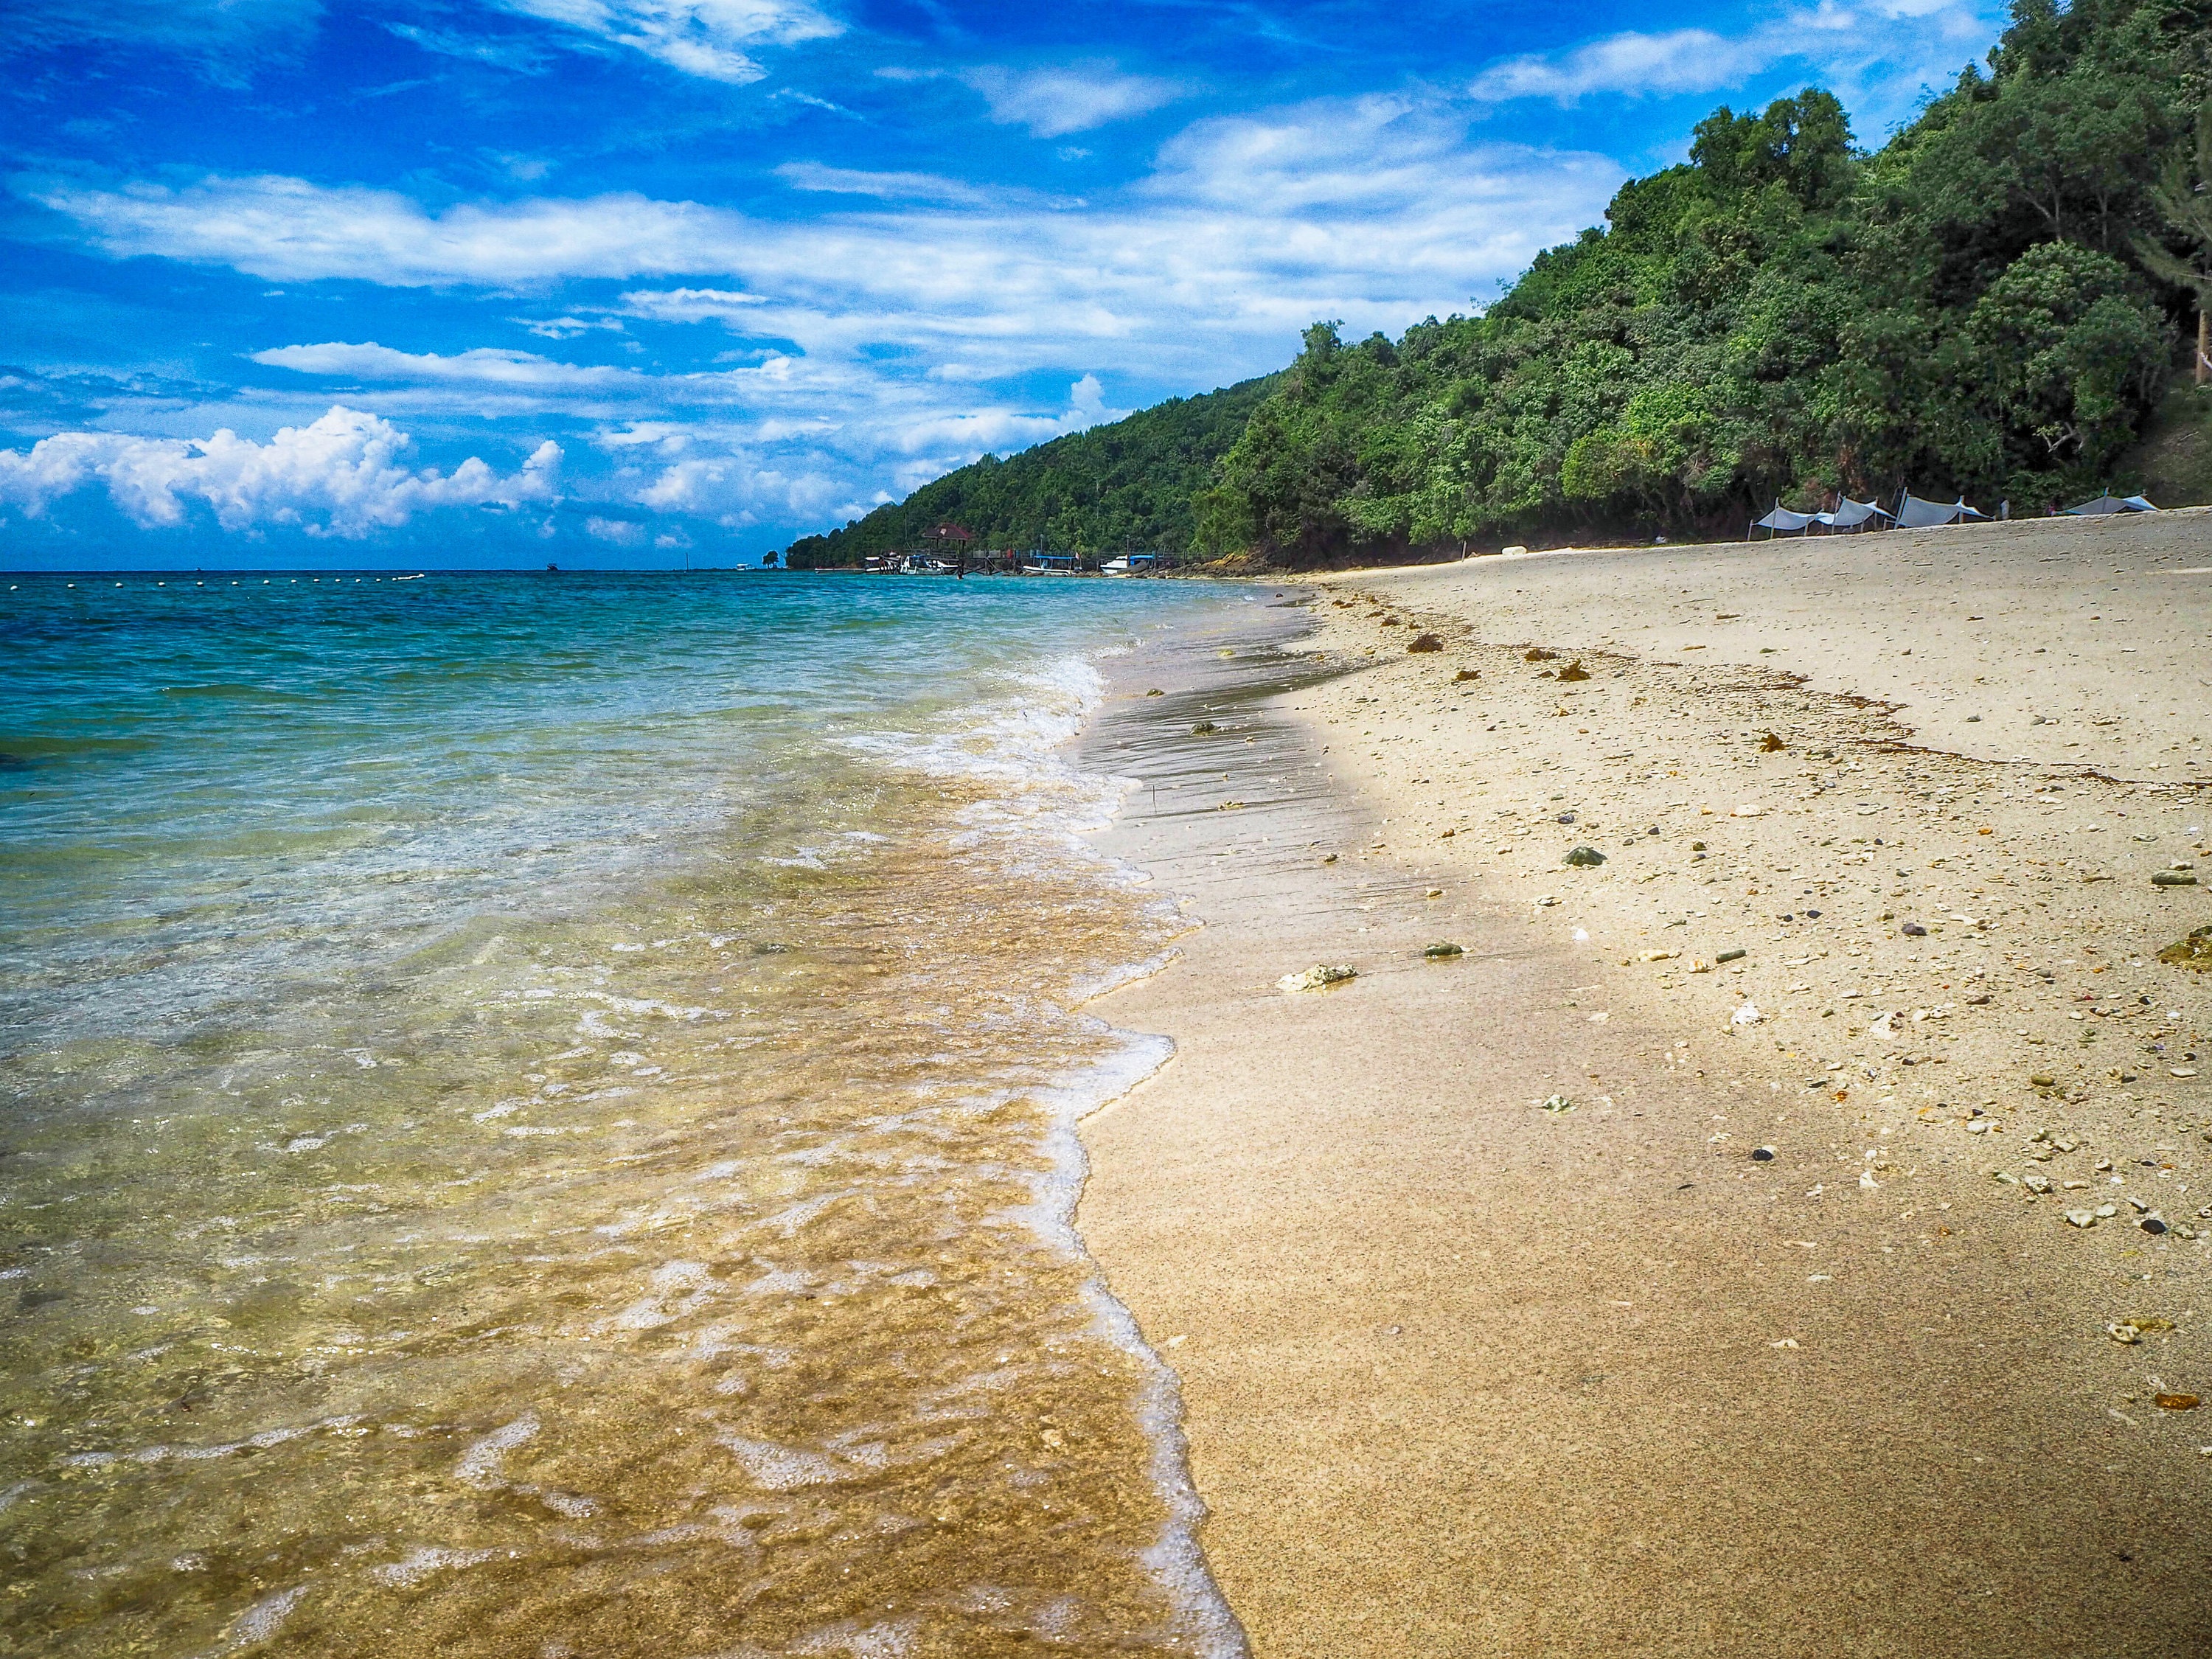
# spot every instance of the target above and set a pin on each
(1465, 1376)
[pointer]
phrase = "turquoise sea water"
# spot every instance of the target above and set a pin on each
(536, 1120)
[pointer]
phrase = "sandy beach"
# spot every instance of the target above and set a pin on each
(1686, 1265)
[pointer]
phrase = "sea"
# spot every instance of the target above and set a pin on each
(537, 1119)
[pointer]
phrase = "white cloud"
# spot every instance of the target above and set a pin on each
(690, 305)
(1890, 47)
(569, 327)
(482, 365)
(889, 186)
(868, 341)
(742, 472)
(1054, 102)
(289, 230)
(737, 489)
(712, 39)
(339, 476)
(1374, 210)
(1681, 60)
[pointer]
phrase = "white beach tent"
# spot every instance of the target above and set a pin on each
(2110, 503)
(1850, 514)
(1913, 514)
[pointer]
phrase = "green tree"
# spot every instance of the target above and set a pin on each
(2073, 354)
(1972, 306)
(2183, 195)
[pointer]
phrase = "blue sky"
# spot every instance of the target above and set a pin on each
(617, 282)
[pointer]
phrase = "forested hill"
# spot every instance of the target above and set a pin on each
(1992, 303)
(1131, 486)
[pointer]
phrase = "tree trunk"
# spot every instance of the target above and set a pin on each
(2204, 345)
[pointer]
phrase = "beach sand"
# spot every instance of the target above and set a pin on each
(1466, 1376)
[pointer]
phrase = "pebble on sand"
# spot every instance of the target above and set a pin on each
(1317, 977)
(2194, 951)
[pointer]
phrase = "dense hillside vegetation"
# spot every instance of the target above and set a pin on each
(1130, 486)
(1994, 302)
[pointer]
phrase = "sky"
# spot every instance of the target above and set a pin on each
(636, 282)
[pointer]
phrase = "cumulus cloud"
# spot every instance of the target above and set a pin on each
(1904, 41)
(712, 39)
(864, 343)
(738, 489)
(1680, 60)
(744, 470)
(1054, 102)
(339, 476)
(1374, 210)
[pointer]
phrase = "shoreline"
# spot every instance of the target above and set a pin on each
(1465, 1376)
(690, 1106)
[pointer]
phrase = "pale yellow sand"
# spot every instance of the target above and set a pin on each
(1464, 1375)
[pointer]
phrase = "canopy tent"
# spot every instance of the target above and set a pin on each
(1782, 519)
(1850, 514)
(2104, 504)
(1913, 514)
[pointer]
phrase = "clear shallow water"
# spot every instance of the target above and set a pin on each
(537, 1122)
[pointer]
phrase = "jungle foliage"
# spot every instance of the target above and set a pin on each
(1129, 486)
(1991, 303)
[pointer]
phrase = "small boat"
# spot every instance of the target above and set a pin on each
(1133, 564)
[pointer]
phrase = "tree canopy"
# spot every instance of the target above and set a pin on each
(1990, 303)
(1986, 303)
(1129, 486)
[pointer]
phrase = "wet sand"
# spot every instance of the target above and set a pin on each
(1463, 1374)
